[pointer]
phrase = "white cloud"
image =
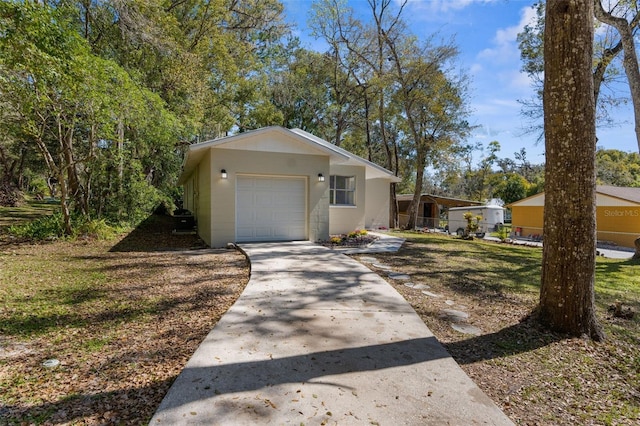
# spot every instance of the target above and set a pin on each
(476, 68)
(520, 81)
(505, 46)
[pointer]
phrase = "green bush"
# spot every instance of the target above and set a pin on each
(38, 187)
(52, 227)
(46, 227)
(503, 233)
(97, 229)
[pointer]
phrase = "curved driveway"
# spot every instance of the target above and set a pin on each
(317, 338)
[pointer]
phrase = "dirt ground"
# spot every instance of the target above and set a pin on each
(162, 296)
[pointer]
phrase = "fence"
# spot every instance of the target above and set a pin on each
(423, 222)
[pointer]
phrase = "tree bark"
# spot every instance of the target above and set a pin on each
(569, 253)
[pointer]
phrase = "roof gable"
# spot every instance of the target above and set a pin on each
(278, 139)
(605, 196)
(624, 193)
(372, 170)
(534, 200)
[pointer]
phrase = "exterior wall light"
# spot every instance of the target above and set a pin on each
(223, 173)
(320, 177)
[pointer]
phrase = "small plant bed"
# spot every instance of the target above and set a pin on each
(357, 238)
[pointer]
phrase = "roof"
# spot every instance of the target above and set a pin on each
(620, 192)
(373, 170)
(440, 199)
(312, 143)
(624, 193)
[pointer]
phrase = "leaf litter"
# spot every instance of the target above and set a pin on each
(124, 341)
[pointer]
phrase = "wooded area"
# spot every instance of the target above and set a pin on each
(99, 100)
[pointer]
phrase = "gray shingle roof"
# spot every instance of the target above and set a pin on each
(625, 193)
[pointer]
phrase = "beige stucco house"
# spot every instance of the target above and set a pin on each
(276, 184)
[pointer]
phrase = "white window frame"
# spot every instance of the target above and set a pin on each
(348, 191)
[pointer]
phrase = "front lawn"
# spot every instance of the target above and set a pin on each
(121, 317)
(535, 376)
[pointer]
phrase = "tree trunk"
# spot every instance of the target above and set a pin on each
(636, 255)
(414, 206)
(569, 253)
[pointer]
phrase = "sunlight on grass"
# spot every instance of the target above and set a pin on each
(46, 291)
(28, 211)
(497, 266)
(519, 363)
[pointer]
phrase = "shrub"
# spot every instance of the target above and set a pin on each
(335, 240)
(96, 229)
(473, 223)
(46, 227)
(503, 233)
(52, 227)
(357, 233)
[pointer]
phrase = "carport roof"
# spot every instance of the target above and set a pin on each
(441, 199)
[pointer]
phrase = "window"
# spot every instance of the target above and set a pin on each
(342, 190)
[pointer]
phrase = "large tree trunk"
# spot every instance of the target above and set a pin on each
(568, 268)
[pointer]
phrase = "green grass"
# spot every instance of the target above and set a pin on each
(474, 263)
(52, 292)
(567, 379)
(517, 269)
(27, 212)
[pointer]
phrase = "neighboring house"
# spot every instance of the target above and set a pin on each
(617, 215)
(432, 209)
(276, 184)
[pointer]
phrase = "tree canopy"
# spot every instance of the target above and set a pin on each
(100, 99)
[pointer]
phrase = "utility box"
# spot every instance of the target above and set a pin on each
(184, 221)
(492, 219)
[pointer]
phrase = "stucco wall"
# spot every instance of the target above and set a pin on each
(242, 162)
(377, 204)
(202, 199)
(189, 194)
(344, 219)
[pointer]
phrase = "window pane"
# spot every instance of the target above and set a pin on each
(342, 190)
(349, 198)
(350, 182)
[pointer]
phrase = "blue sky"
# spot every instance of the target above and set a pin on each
(485, 32)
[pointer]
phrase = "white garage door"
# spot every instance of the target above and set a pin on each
(270, 209)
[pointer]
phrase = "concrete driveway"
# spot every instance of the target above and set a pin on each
(317, 338)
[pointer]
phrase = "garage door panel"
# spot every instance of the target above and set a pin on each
(270, 209)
